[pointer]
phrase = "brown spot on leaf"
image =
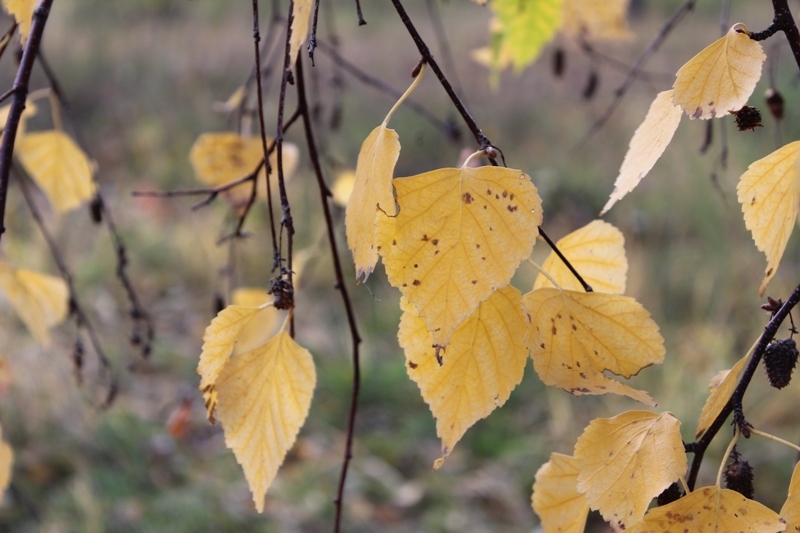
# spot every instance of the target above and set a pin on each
(467, 198)
(394, 242)
(416, 266)
(511, 208)
(542, 345)
(698, 112)
(582, 375)
(379, 248)
(505, 194)
(477, 245)
(753, 201)
(412, 364)
(769, 272)
(511, 196)
(574, 327)
(489, 192)
(435, 242)
(436, 252)
(484, 207)
(417, 282)
(554, 330)
(483, 259)
(497, 196)
(474, 281)
(425, 238)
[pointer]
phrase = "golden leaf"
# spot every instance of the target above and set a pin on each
(574, 337)
(556, 499)
(596, 19)
(525, 27)
(646, 147)
(628, 460)
(769, 193)
(597, 251)
(371, 193)
(301, 22)
(41, 301)
(459, 235)
(790, 511)
(343, 187)
(219, 158)
(29, 111)
(721, 78)
(58, 166)
(721, 391)
(483, 364)
(711, 510)
(262, 325)
(263, 400)
(22, 10)
(6, 464)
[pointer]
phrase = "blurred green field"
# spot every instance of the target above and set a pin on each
(143, 76)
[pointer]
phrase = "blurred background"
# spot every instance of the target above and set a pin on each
(144, 76)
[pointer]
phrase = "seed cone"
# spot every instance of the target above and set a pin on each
(779, 361)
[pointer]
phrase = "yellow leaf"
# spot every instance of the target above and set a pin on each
(301, 19)
(526, 27)
(721, 78)
(597, 251)
(219, 158)
(460, 235)
(769, 194)
(596, 19)
(371, 193)
(233, 101)
(29, 111)
(6, 464)
(721, 391)
(262, 325)
(39, 300)
(711, 510)
(555, 496)
(58, 166)
(22, 10)
(263, 400)
(646, 147)
(343, 187)
(790, 511)
(483, 364)
(628, 460)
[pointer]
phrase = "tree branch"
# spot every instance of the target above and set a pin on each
(783, 21)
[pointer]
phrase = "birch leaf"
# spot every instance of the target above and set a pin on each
(711, 510)
(301, 19)
(58, 166)
(41, 301)
(262, 325)
(483, 364)
(372, 192)
(646, 147)
(460, 235)
(526, 26)
(596, 19)
(6, 464)
(721, 391)
(22, 10)
(769, 194)
(263, 400)
(721, 78)
(628, 460)
(790, 511)
(556, 500)
(597, 251)
(342, 187)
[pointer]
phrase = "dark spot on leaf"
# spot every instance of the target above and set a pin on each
(405, 284)
(542, 345)
(467, 198)
(753, 201)
(484, 207)
(578, 364)
(416, 266)
(394, 242)
(425, 238)
(698, 112)
(511, 196)
(436, 252)
(477, 246)
(483, 259)
(769, 272)
(379, 248)
(489, 192)
(505, 194)
(491, 228)
(497, 196)
(412, 364)
(574, 327)
(582, 375)
(474, 281)
(554, 330)
(435, 242)
(417, 282)
(511, 208)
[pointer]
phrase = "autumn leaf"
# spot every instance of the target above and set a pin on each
(628, 460)
(39, 300)
(597, 251)
(646, 147)
(6, 464)
(721, 390)
(22, 10)
(483, 364)
(596, 19)
(262, 325)
(58, 166)
(342, 187)
(525, 27)
(711, 510)
(769, 194)
(721, 78)
(263, 400)
(460, 235)
(29, 111)
(301, 19)
(790, 511)
(556, 499)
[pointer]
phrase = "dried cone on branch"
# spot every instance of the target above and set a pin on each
(779, 361)
(774, 103)
(748, 118)
(739, 476)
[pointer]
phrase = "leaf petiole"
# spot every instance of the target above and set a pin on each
(406, 94)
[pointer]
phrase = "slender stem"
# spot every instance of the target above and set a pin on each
(549, 241)
(20, 86)
(312, 39)
(727, 454)
(417, 80)
(779, 440)
(783, 21)
(361, 21)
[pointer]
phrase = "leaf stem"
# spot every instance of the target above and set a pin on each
(417, 79)
(776, 439)
(727, 454)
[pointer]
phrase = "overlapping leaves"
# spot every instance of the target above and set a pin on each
(41, 301)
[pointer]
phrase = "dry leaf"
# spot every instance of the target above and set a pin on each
(460, 235)
(628, 460)
(58, 166)
(525, 27)
(6, 464)
(769, 194)
(597, 251)
(555, 496)
(41, 301)
(262, 326)
(646, 147)
(790, 511)
(711, 510)
(483, 364)
(301, 23)
(22, 10)
(720, 394)
(343, 187)
(721, 78)
(596, 19)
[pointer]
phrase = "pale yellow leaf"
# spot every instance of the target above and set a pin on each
(6, 464)
(460, 235)
(721, 78)
(483, 364)
(628, 460)
(29, 111)
(41, 301)
(58, 166)
(597, 251)
(219, 158)
(263, 400)
(262, 325)
(646, 147)
(22, 10)
(525, 27)
(233, 102)
(301, 23)
(769, 194)
(596, 19)
(790, 511)
(711, 510)
(371, 194)
(343, 187)
(721, 391)
(561, 508)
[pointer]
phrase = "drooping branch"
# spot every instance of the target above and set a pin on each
(782, 21)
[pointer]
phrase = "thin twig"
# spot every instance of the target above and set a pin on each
(361, 21)
(444, 46)
(312, 39)
(782, 21)
(566, 262)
